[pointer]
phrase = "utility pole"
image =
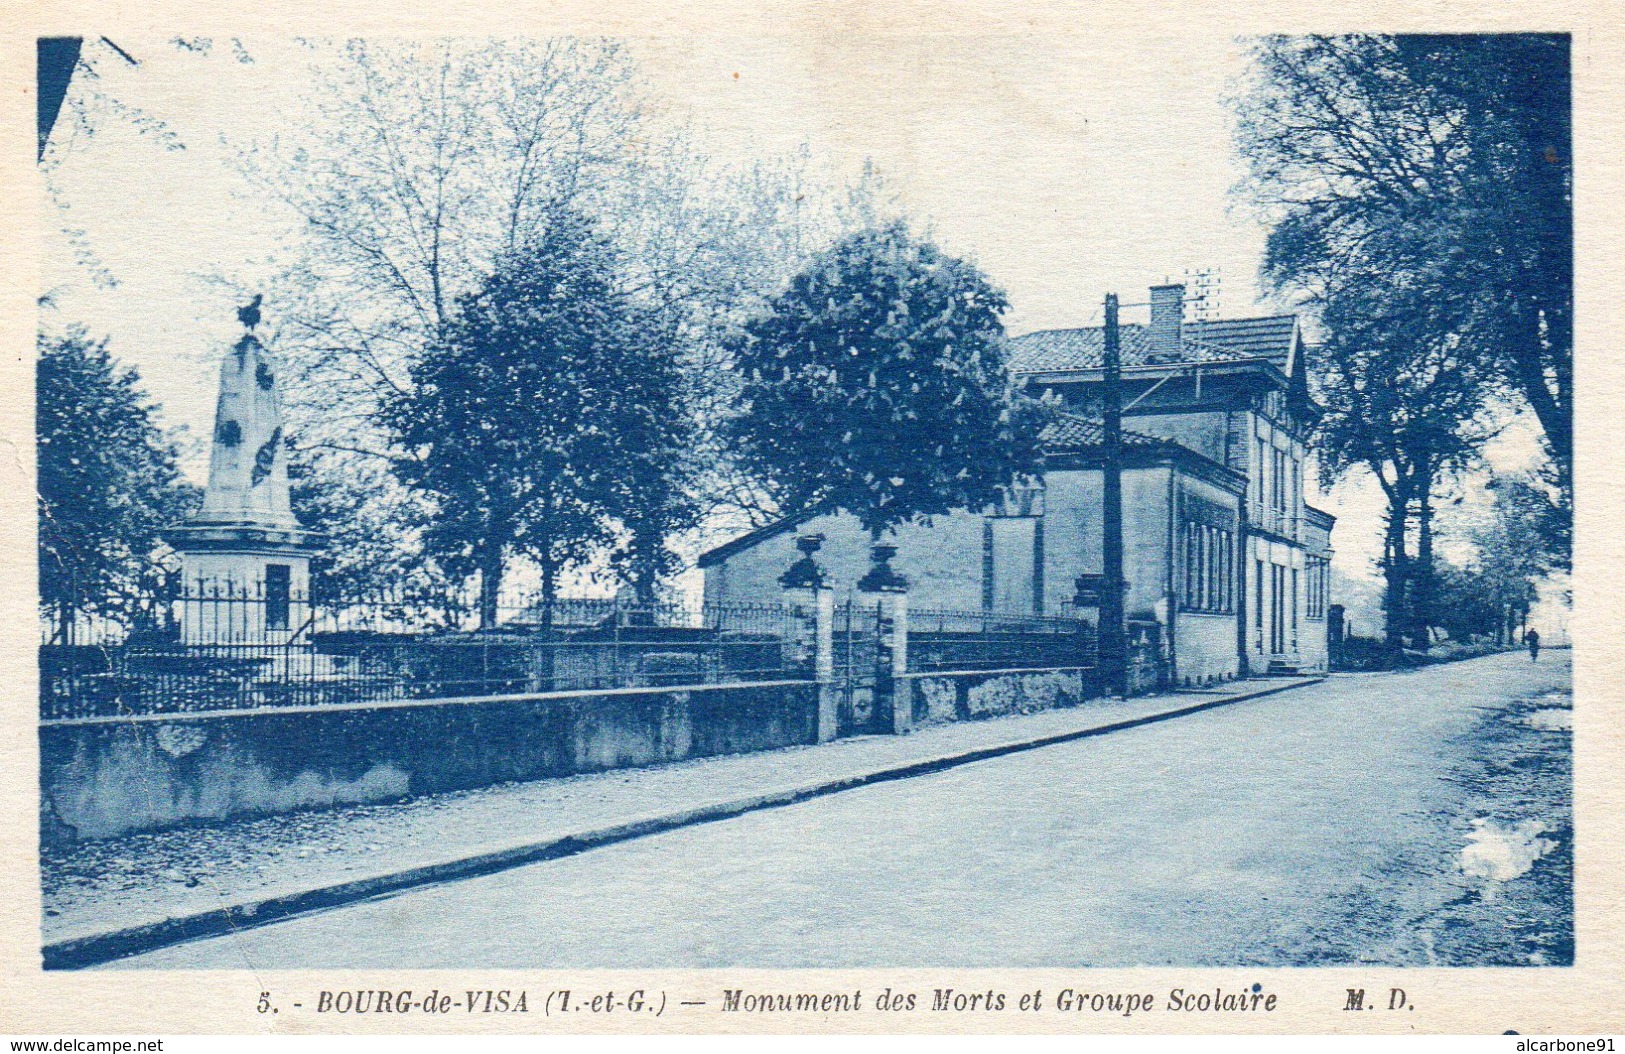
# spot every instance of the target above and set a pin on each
(1113, 645)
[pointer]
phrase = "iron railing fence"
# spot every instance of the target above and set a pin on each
(232, 612)
(232, 649)
(992, 640)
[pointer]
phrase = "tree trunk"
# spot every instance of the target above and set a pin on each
(1396, 575)
(645, 545)
(550, 573)
(547, 660)
(490, 584)
(1423, 583)
(1553, 409)
(643, 583)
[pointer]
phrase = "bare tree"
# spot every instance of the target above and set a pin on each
(425, 165)
(422, 165)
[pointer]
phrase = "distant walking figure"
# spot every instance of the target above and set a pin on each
(1532, 640)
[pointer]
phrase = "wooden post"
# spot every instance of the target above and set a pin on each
(1113, 647)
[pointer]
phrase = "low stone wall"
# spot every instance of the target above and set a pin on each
(967, 695)
(101, 777)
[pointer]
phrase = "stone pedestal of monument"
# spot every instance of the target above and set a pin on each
(245, 558)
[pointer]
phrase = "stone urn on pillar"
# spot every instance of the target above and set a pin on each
(804, 586)
(888, 590)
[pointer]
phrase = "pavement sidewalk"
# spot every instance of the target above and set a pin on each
(109, 898)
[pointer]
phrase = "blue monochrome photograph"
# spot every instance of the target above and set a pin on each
(567, 502)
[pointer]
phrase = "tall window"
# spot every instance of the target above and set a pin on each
(1294, 609)
(1316, 568)
(1209, 567)
(1277, 609)
(1282, 479)
(1258, 601)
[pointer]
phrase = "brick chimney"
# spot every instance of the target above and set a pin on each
(1167, 316)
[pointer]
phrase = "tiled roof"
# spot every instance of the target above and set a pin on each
(1071, 432)
(1219, 341)
(1065, 434)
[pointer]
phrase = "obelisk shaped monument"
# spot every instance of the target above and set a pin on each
(245, 559)
(248, 467)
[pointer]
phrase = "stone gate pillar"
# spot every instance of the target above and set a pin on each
(894, 697)
(812, 611)
(824, 667)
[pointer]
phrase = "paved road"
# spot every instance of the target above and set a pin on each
(1410, 818)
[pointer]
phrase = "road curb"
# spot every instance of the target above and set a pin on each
(96, 949)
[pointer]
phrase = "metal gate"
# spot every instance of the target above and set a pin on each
(857, 657)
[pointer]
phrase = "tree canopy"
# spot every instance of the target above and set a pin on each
(875, 383)
(1417, 190)
(1442, 163)
(108, 481)
(536, 421)
(1520, 541)
(419, 167)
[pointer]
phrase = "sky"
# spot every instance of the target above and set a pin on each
(1064, 167)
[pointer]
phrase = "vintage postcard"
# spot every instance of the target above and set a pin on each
(1003, 518)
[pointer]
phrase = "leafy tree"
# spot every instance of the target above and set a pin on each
(1524, 541)
(1418, 195)
(374, 528)
(1521, 541)
(1469, 605)
(1443, 158)
(1537, 499)
(524, 421)
(1508, 96)
(654, 472)
(875, 383)
(71, 77)
(417, 169)
(708, 263)
(1402, 401)
(421, 166)
(108, 482)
